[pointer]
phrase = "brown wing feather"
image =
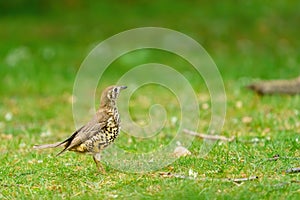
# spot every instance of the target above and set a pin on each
(84, 133)
(69, 140)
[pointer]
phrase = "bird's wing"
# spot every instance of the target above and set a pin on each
(82, 134)
(69, 140)
(57, 144)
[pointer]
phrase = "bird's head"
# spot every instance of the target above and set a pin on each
(110, 94)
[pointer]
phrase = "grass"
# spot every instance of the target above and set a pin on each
(247, 41)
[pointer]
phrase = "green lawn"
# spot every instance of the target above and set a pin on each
(41, 51)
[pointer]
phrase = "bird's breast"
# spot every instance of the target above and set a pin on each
(112, 129)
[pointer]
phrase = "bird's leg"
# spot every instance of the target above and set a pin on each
(97, 158)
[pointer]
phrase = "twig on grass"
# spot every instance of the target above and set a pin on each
(293, 170)
(274, 158)
(12, 185)
(209, 137)
(240, 180)
(277, 157)
(282, 184)
(235, 180)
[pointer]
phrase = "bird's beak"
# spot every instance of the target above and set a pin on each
(122, 87)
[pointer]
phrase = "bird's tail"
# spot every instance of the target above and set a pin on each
(45, 146)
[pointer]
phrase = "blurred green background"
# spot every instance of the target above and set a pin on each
(245, 38)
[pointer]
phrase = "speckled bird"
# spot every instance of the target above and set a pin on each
(98, 133)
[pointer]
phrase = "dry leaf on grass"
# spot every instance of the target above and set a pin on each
(181, 151)
(247, 120)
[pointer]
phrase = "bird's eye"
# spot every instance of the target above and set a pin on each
(115, 89)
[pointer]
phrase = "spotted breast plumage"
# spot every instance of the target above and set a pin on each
(98, 133)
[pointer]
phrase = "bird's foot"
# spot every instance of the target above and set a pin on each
(97, 158)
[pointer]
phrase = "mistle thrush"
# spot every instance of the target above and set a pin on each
(98, 133)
